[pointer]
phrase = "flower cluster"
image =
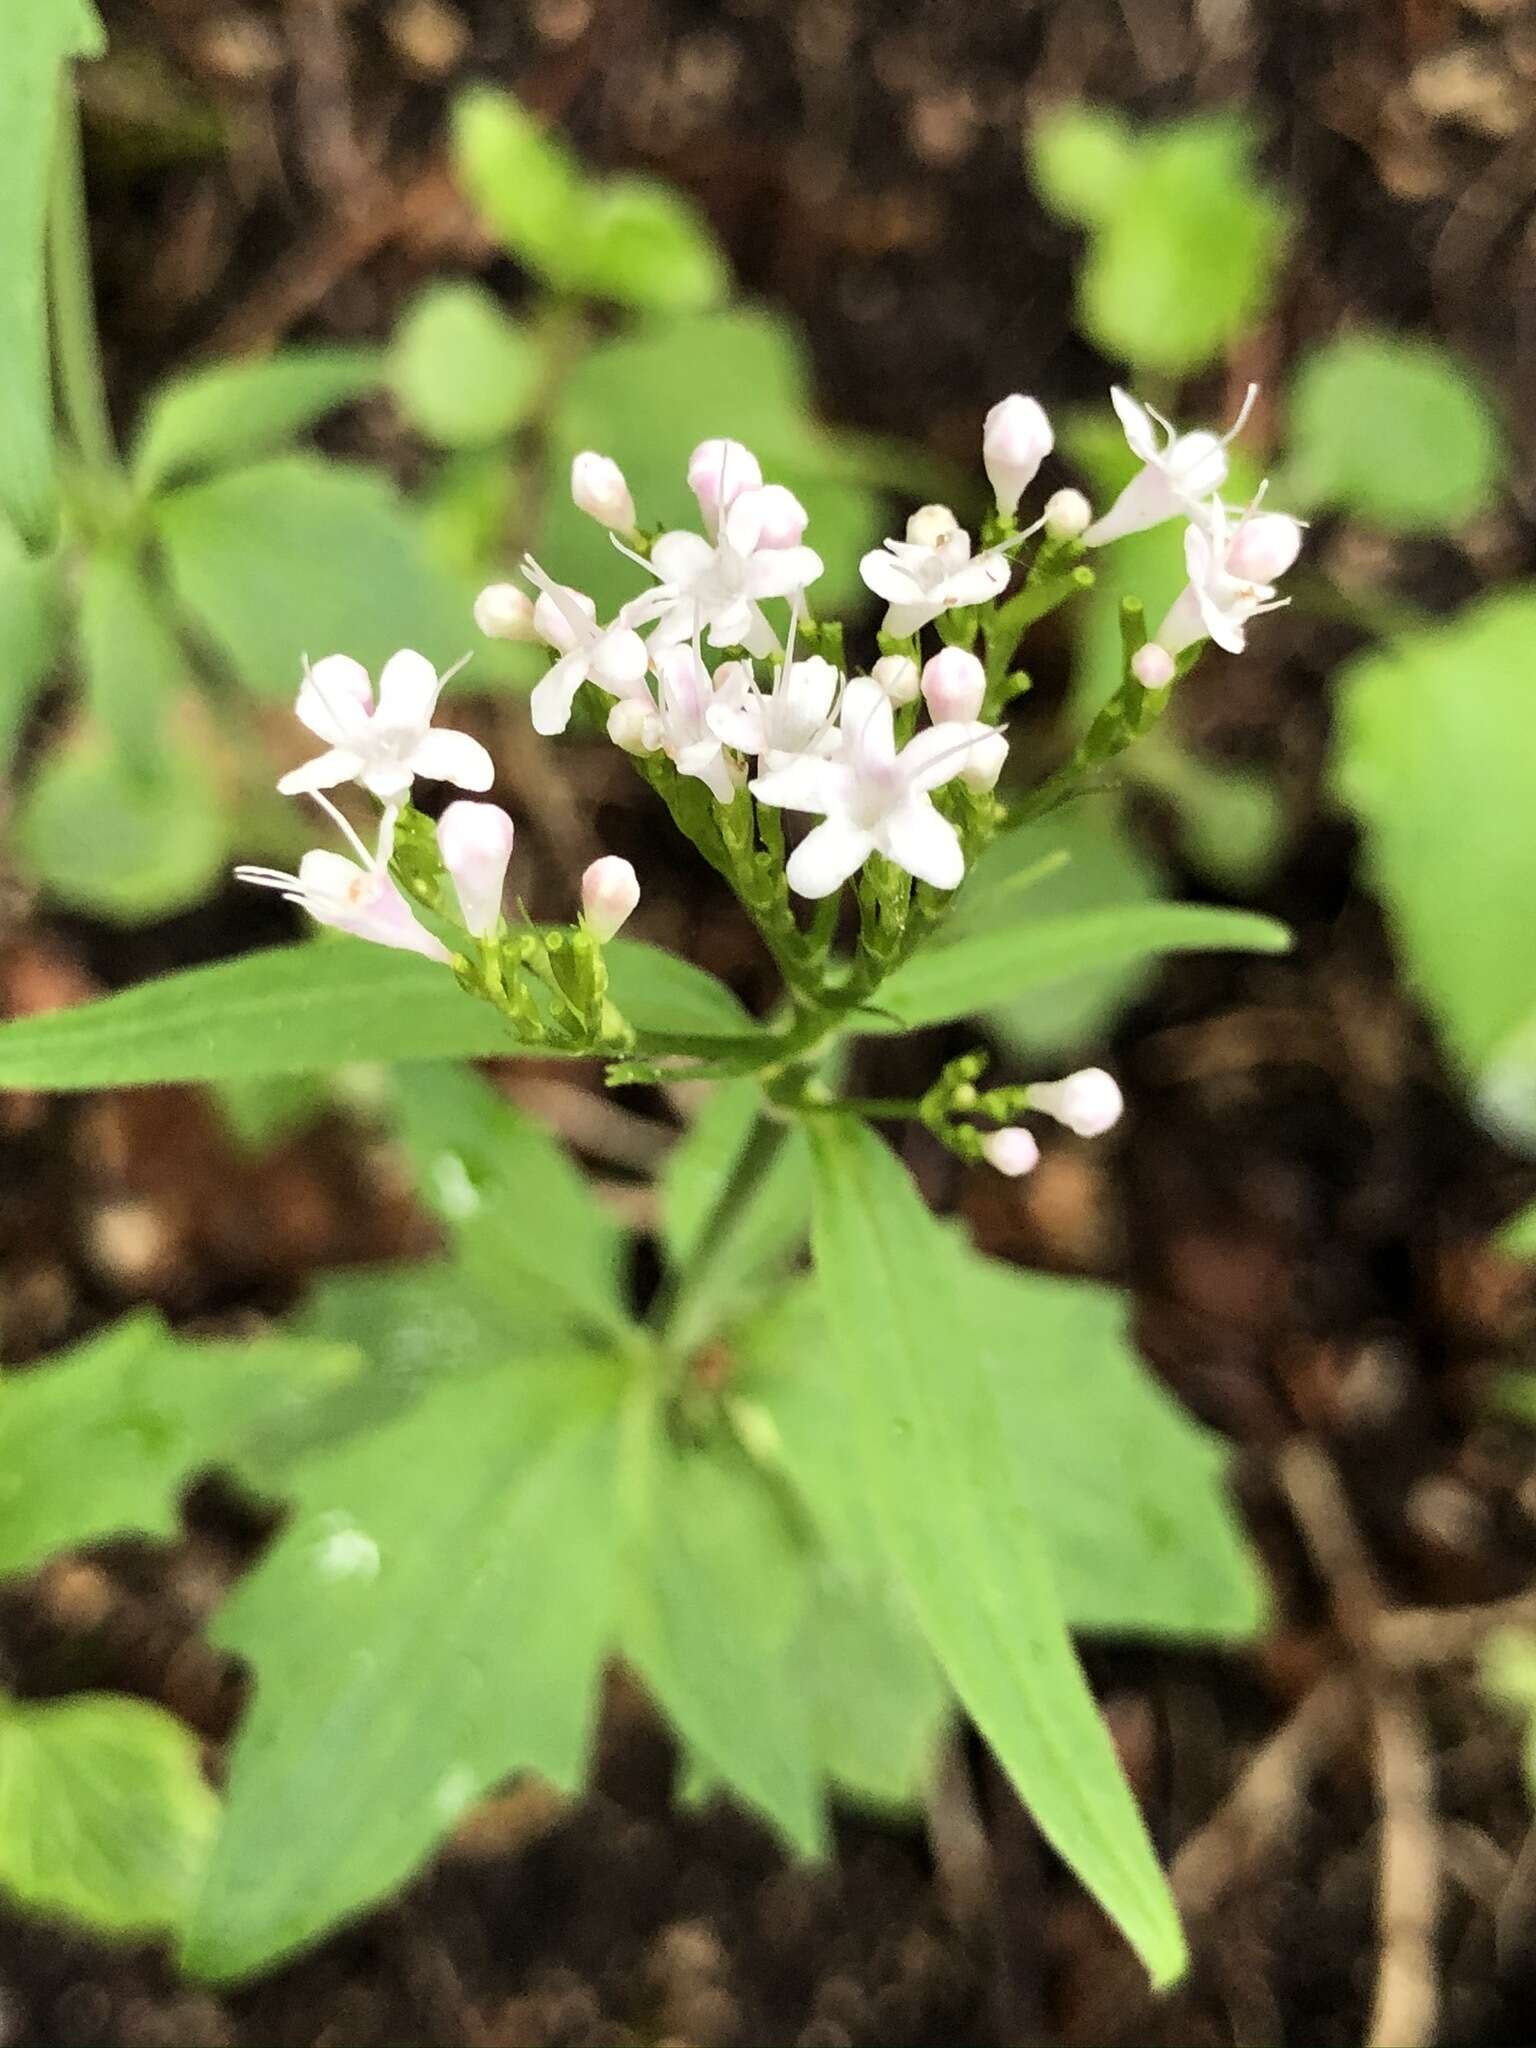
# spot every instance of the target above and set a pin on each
(740, 707)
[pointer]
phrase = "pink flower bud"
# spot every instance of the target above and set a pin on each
(1153, 666)
(1088, 1102)
(598, 489)
(718, 473)
(610, 889)
(475, 842)
(634, 726)
(1264, 547)
(1015, 441)
(1068, 515)
(897, 676)
(954, 686)
(503, 612)
(1012, 1151)
(931, 526)
(778, 515)
(984, 762)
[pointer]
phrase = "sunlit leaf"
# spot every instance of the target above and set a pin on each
(225, 413)
(463, 372)
(648, 246)
(521, 180)
(1082, 159)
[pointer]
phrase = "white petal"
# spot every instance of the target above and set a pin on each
(940, 752)
(736, 715)
(809, 691)
(618, 661)
(681, 558)
(408, 687)
(868, 726)
(778, 572)
(760, 638)
(1139, 430)
(887, 578)
(335, 698)
(1147, 500)
(827, 856)
(324, 772)
(454, 757)
(979, 581)
(903, 620)
(706, 763)
(917, 838)
(808, 783)
(730, 623)
(550, 704)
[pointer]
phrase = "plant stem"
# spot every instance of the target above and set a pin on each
(77, 350)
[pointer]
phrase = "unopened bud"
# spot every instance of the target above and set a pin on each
(1088, 1102)
(1153, 666)
(598, 489)
(931, 525)
(897, 676)
(475, 841)
(779, 516)
(1012, 1151)
(1264, 547)
(610, 889)
(1068, 515)
(634, 727)
(954, 686)
(1015, 440)
(503, 612)
(718, 473)
(984, 762)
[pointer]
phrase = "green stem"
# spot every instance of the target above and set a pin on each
(77, 350)
(682, 1309)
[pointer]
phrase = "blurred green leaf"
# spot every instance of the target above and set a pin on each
(432, 1618)
(103, 1441)
(522, 180)
(715, 1591)
(700, 1165)
(298, 556)
(104, 836)
(1435, 753)
(1393, 430)
(262, 1111)
(105, 1816)
(650, 247)
(878, 1700)
(40, 37)
(1518, 1237)
(932, 1443)
(1081, 160)
(463, 372)
(31, 632)
(133, 669)
(1231, 821)
(225, 413)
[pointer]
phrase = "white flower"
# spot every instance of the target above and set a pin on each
(684, 694)
(613, 657)
(1067, 515)
(1217, 602)
(357, 896)
(610, 889)
(795, 717)
(719, 589)
(1174, 478)
(921, 577)
(897, 676)
(475, 842)
(718, 473)
(1012, 1151)
(503, 612)
(598, 489)
(954, 685)
(1015, 439)
(385, 745)
(1088, 1102)
(873, 799)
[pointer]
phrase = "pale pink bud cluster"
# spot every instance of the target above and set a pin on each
(610, 889)
(1016, 438)
(954, 685)
(475, 843)
(503, 612)
(598, 489)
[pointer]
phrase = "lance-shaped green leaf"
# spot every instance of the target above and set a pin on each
(932, 1444)
(104, 1441)
(716, 1591)
(40, 37)
(878, 1700)
(989, 968)
(227, 412)
(432, 1619)
(294, 1009)
(131, 661)
(522, 1219)
(105, 1816)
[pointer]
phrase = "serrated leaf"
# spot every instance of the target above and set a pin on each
(299, 1009)
(1081, 159)
(521, 1218)
(986, 968)
(1394, 430)
(40, 37)
(716, 1590)
(31, 632)
(432, 1619)
(105, 1816)
(522, 181)
(224, 413)
(463, 372)
(1435, 753)
(647, 246)
(103, 1441)
(931, 1443)
(298, 556)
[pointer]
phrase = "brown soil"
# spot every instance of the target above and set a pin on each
(1299, 1202)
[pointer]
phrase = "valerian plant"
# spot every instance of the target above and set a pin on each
(816, 1514)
